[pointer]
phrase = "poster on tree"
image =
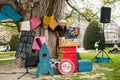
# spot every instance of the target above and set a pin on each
(72, 32)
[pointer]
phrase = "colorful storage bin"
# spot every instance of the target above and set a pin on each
(75, 64)
(70, 56)
(104, 60)
(70, 50)
(85, 65)
(66, 52)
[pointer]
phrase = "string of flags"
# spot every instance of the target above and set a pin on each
(8, 12)
(30, 25)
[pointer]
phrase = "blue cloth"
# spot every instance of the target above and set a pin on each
(3, 16)
(10, 12)
(79, 19)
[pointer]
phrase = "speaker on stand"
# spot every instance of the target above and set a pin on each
(104, 18)
(105, 15)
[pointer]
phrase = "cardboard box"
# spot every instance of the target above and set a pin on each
(60, 56)
(68, 42)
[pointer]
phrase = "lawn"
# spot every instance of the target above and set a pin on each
(114, 57)
(108, 75)
(3, 62)
(6, 55)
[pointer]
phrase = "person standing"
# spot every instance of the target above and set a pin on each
(60, 31)
(96, 45)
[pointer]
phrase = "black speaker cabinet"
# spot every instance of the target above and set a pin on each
(105, 15)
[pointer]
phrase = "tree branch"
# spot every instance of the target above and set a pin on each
(77, 11)
(70, 14)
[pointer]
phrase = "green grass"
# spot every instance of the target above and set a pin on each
(3, 62)
(114, 57)
(109, 75)
(6, 55)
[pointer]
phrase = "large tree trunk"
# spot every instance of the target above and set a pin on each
(40, 8)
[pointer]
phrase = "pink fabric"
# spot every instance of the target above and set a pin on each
(34, 22)
(36, 45)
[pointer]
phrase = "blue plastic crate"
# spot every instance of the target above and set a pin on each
(104, 60)
(85, 65)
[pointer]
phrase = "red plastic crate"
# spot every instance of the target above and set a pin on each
(70, 50)
(75, 64)
(70, 56)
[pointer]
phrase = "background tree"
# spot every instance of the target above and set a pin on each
(92, 34)
(88, 10)
(14, 42)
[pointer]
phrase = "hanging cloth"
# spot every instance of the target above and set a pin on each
(34, 22)
(53, 25)
(10, 12)
(3, 16)
(26, 25)
(0, 7)
(48, 20)
(79, 19)
(25, 44)
(36, 43)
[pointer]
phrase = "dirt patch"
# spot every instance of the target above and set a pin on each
(12, 73)
(92, 76)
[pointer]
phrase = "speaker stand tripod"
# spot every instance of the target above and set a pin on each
(102, 58)
(27, 72)
(102, 50)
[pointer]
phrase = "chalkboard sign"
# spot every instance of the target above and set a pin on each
(25, 43)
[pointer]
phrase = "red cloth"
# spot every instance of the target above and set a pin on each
(0, 7)
(34, 22)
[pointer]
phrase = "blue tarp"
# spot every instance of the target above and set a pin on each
(3, 16)
(10, 12)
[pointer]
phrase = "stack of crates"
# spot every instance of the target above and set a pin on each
(60, 52)
(67, 50)
(68, 53)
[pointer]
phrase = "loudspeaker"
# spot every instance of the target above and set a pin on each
(105, 15)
